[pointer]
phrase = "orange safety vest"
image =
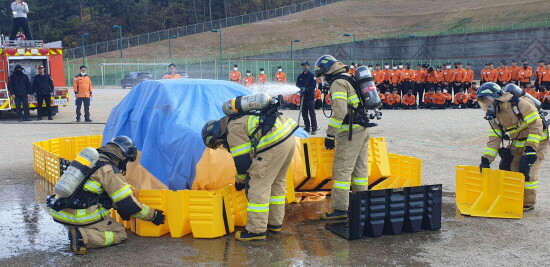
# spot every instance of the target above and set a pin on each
(379, 76)
(280, 77)
(262, 78)
(235, 76)
(248, 81)
(460, 75)
(82, 85)
(171, 76)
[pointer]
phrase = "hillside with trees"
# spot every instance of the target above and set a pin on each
(66, 20)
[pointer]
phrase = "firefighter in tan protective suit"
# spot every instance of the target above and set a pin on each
(93, 227)
(349, 170)
(262, 159)
(514, 120)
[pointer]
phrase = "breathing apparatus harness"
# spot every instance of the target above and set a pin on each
(82, 199)
(360, 114)
(267, 118)
(504, 151)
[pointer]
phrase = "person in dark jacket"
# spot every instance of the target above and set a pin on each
(306, 82)
(19, 87)
(42, 86)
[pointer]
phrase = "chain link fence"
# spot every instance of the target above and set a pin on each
(113, 45)
(110, 73)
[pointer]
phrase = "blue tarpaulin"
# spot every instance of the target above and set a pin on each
(165, 118)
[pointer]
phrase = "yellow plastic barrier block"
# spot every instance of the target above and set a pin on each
(500, 196)
(378, 160)
(177, 212)
(318, 164)
(240, 205)
(406, 171)
(290, 192)
(154, 199)
(116, 217)
(207, 215)
(468, 187)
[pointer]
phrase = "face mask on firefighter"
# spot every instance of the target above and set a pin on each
(262, 72)
(235, 69)
(400, 66)
(370, 68)
(386, 67)
(352, 67)
(248, 74)
(279, 70)
(448, 67)
(394, 68)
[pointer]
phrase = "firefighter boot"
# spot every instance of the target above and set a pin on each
(335, 215)
(77, 243)
(274, 228)
(248, 236)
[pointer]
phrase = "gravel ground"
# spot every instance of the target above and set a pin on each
(441, 138)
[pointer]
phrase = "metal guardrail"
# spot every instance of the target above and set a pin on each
(113, 45)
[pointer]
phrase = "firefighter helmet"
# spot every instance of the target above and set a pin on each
(489, 89)
(323, 64)
(211, 131)
(127, 146)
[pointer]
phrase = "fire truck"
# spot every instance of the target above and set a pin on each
(30, 54)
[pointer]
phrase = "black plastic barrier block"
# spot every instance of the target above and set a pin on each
(395, 211)
(391, 211)
(353, 228)
(414, 208)
(432, 207)
(376, 213)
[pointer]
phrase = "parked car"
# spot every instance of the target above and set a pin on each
(134, 77)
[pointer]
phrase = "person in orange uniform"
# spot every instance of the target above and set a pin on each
(514, 70)
(472, 98)
(524, 75)
(393, 100)
(407, 79)
(544, 97)
(352, 68)
(432, 78)
(469, 76)
(461, 76)
(461, 99)
(473, 88)
(504, 75)
(280, 76)
(262, 77)
(379, 76)
(448, 76)
(439, 76)
(294, 101)
(387, 70)
(82, 86)
(172, 74)
(409, 100)
(537, 74)
(318, 99)
(545, 76)
(235, 75)
(394, 78)
(382, 97)
(530, 90)
(492, 73)
(248, 79)
(419, 81)
(428, 98)
(439, 100)
(448, 97)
